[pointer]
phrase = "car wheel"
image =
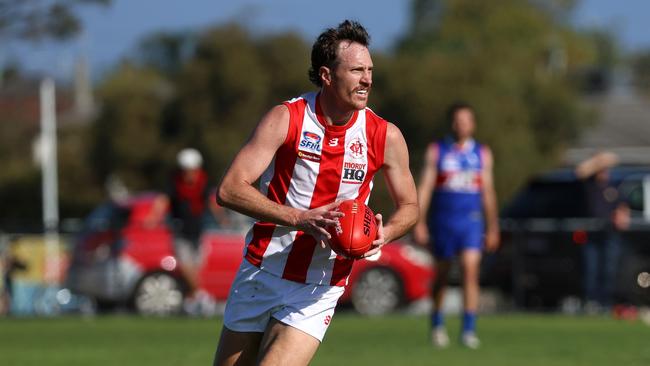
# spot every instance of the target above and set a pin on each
(158, 294)
(377, 291)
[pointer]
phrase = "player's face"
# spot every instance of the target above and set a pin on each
(351, 78)
(463, 125)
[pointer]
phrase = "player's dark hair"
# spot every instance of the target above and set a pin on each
(323, 52)
(454, 108)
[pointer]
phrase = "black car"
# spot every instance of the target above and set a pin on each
(544, 229)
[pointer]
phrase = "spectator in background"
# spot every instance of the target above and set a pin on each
(188, 200)
(190, 195)
(458, 216)
(601, 253)
(9, 264)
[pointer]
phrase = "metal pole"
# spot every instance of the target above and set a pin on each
(50, 178)
(646, 198)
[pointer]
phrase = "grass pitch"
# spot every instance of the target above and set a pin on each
(517, 339)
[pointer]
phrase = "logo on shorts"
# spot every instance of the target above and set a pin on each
(328, 319)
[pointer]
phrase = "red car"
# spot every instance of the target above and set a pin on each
(119, 258)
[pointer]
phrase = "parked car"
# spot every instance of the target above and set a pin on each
(544, 228)
(118, 259)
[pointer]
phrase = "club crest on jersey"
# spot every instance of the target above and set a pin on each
(310, 142)
(356, 148)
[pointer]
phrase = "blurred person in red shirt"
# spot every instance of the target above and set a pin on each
(188, 200)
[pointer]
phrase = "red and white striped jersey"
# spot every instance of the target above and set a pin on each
(317, 164)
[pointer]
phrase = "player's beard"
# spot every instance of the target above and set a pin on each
(359, 101)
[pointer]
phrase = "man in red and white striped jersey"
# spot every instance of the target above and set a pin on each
(309, 154)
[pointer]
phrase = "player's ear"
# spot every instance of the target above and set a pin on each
(325, 74)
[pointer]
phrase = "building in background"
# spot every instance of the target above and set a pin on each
(622, 125)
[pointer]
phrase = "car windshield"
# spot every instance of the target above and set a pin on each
(544, 199)
(105, 217)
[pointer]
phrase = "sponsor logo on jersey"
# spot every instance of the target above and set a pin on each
(460, 181)
(450, 162)
(310, 142)
(353, 173)
(356, 148)
(308, 156)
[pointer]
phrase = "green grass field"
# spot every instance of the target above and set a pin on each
(519, 339)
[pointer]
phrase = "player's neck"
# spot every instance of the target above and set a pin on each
(462, 141)
(333, 114)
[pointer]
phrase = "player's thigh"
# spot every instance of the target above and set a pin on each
(237, 348)
(286, 345)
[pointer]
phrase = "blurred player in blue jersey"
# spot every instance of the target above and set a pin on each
(458, 216)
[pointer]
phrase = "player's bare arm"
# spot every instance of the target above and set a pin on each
(402, 190)
(236, 190)
(489, 197)
(598, 162)
(425, 190)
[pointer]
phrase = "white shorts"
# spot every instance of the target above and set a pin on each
(256, 296)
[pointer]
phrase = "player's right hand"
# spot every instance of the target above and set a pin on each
(315, 221)
(492, 240)
(380, 240)
(421, 234)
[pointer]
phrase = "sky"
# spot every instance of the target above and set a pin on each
(111, 33)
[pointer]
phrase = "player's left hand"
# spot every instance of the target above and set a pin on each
(380, 241)
(492, 239)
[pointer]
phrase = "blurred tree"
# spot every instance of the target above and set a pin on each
(126, 137)
(20, 178)
(20, 183)
(77, 193)
(34, 20)
(166, 52)
(286, 59)
(228, 85)
(221, 92)
(516, 61)
(641, 70)
(603, 52)
(511, 60)
(215, 87)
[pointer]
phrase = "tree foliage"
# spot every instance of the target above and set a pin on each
(34, 20)
(641, 70)
(516, 62)
(513, 62)
(210, 98)
(127, 139)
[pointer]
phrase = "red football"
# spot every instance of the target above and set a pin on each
(356, 231)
